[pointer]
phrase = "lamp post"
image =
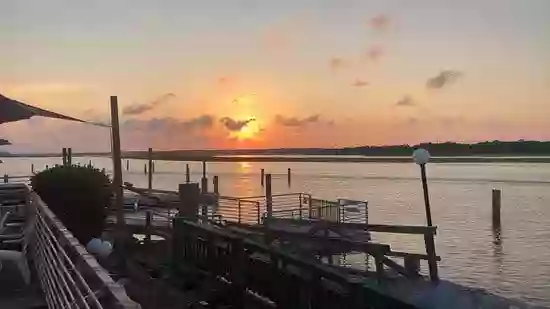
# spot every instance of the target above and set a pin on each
(421, 157)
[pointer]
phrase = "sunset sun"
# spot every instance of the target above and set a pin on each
(248, 132)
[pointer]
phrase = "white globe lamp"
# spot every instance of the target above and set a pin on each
(421, 156)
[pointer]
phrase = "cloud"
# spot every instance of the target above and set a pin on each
(444, 78)
(360, 83)
(235, 125)
(375, 52)
(138, 109)
(4, 142)
(337, 63)
(406, 100)
(296, 122)
(379, 22)
(170, 125)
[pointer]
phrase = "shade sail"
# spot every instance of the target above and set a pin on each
(13, 110)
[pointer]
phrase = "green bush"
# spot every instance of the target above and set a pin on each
(78, 195)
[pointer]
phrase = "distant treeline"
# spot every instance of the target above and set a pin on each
(494, 148)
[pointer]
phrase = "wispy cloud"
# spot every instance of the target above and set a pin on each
(360, 83)
(406, 100)
(295, 121)
(337, 63)
(138, 109)
(375, 52)
(234, 124)
(380, 22)
(169, 124)
(443, 79)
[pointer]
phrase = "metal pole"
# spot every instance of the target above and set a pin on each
(117, 165)
(426, 195)
(289, 178)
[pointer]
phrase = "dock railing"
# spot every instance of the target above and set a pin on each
(269, 277)
(69, 276)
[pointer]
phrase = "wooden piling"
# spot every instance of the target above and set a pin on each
(289, 178)
(145, 168)
(187, 174)
(64, 155)
(32, 168)
(127, 165)
(204, 180)
(215, 182)
(150, 169)
(69, 156)
(117, 171)
(268, 196)
(262, 175)
(496, 208)
(90, 163)
(189, 194)
(6, 178)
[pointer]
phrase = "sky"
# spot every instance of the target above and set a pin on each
(211, 74)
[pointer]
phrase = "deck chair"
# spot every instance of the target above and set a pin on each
(19, 257)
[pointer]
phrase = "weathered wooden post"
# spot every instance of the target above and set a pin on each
(153, 167)
(204, 180)
(117, 174)
(145, 168)
(6, 178)
(496, 208)
(268, 196)
(216, 185)
(64, 155)
(69, 156)
(127, 165)
(150, 169)
(148, 217)
(187, 174)
(262, 174)
(189, 194)
(289, 178)
(32, 168)
(90, 163)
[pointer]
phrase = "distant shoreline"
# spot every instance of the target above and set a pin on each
(311, 158)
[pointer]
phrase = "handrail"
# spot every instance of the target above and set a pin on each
(69, 275)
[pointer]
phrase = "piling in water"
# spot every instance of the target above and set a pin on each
(496, 208)
(268, 196)
(216, 185)
(262, 176)
(187, 174)
(289, 178)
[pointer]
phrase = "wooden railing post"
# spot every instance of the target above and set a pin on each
(239, 211)
(204, 180)
(432, 257)
(187, 175)
(148, 219)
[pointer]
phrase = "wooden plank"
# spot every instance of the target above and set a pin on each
(385, 228)
(419, 256)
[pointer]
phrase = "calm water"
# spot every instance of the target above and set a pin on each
(460, 193)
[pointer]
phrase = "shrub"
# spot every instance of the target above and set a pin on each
(78, 195)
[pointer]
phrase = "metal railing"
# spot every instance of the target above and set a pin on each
(69, 276)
